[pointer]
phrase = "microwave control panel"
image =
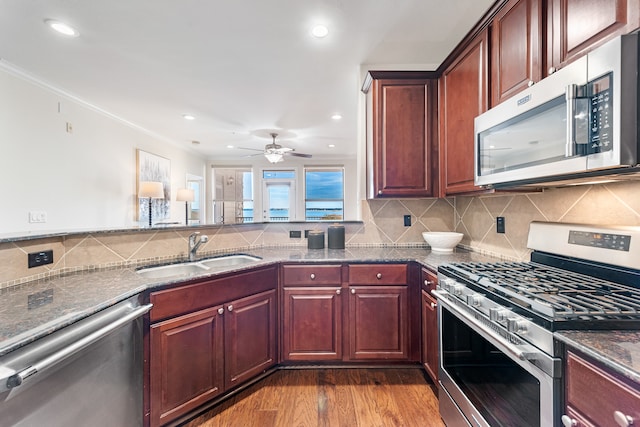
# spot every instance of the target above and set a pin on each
(600, 115)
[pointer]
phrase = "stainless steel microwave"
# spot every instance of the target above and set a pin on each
(578, 124)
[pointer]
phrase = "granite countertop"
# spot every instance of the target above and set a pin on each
(618, 350)
(36, 309)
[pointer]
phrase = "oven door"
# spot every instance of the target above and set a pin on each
(486, 380)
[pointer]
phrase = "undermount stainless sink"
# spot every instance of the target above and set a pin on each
(229, 261)
(196, 268)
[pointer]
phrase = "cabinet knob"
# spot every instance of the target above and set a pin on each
(428, 282)
(622, 420)
(433, 305)
(221, 310)
(567, 421)
(379, 191)
(312, 276)
(530, 83)
(379, 276)
(552, 70)
(353, 291)
(338, 291)
(230, 308)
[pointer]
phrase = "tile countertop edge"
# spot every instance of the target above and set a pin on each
(605, 347)
(78, 296)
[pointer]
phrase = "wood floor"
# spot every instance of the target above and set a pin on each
(330, 397)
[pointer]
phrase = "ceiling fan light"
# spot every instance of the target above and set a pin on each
(273, 157)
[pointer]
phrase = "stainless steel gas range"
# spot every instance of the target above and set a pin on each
(499, 363)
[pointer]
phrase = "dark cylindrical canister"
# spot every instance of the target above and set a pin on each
(315, 240)
(336, 237)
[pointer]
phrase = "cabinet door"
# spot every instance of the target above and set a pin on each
(516, 44)
(378, 323)
(463, 96)
(576, 26)
(250, 337)
(186, 365)
(401, 138)
(312, 324)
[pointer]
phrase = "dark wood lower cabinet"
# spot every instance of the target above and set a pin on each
(430, 336)
(378, 323)
(312, 324)
(186, 363)
(597, 397)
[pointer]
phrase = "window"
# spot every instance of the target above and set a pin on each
(324, 194)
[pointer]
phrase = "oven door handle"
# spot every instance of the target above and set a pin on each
(521, 352)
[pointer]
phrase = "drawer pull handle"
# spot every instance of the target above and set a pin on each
(567, 421)
(353, 291)
(313, 276)
(338, 291)
(230, 308)
(221, 310)
(379, 276)
(622, 420)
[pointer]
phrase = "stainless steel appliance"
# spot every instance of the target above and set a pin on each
(499, 364)
(89, 373)
(578, 124)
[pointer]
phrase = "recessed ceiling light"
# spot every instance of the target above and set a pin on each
(229, 146)
(62, 28)
(319, 31)
(188, 117)
(331, 145)
(336, 116)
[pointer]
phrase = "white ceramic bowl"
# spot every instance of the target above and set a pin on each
(442, 241)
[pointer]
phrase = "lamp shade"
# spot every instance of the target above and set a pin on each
(185, 195)
(152, 189)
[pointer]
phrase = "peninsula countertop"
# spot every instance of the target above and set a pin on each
(33, 310)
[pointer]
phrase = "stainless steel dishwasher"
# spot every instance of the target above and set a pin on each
(87, 374)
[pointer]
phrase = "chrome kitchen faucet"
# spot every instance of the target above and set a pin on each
(194, 244)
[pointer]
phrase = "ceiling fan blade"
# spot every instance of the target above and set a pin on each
(293, 153)
(252, 149)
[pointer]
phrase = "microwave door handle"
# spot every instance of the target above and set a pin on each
(571, 94)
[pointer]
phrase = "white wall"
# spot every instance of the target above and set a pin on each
(82, 180)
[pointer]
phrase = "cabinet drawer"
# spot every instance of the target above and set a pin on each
(312, 275)
(587, 384)
(378, 274)
(429, 280)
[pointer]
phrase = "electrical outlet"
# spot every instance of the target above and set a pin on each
(500, 224)
(295, 234)
(69, 128)
(37, 259)
(37, 217)
(407, 220)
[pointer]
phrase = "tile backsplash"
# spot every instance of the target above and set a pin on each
(382, 223)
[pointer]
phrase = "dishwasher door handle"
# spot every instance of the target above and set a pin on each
(68, 351)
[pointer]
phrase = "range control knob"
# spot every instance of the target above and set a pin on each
(498, 314)
(474, 300)
(516, 325)
(447, 284)
(457, 289)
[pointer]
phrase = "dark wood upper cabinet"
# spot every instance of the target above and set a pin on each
(462, 96)
(401, 125)
(576, 26)
(516, 48)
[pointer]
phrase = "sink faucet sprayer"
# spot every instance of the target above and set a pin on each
(194, 244)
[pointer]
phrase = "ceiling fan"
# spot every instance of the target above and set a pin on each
(275, 152)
